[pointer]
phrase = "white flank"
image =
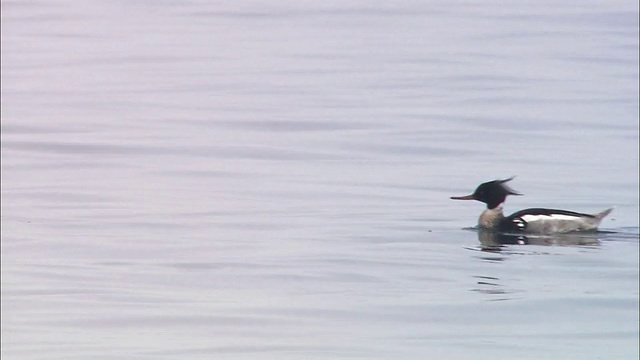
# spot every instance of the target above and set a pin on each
(559, 223)
(532, 218)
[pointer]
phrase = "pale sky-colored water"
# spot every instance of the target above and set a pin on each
(254, 180)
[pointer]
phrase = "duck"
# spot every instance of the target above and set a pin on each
(531, 221)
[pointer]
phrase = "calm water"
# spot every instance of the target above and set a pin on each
(256, 180)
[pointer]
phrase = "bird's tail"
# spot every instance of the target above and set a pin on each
(603, 214)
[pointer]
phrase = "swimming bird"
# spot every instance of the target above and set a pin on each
(534, 220)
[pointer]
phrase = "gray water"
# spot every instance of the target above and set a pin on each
(271, 180)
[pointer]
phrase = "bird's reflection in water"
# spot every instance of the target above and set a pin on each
(493, 241)
(499, 247)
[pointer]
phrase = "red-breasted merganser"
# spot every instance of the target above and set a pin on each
(535, 220)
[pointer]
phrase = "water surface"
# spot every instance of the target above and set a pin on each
(251, 180)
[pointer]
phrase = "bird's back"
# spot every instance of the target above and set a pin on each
(547, 221)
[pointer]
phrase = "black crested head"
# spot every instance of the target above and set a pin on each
(492, 193)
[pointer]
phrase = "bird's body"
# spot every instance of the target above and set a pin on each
(540, 221)
(534, 220)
